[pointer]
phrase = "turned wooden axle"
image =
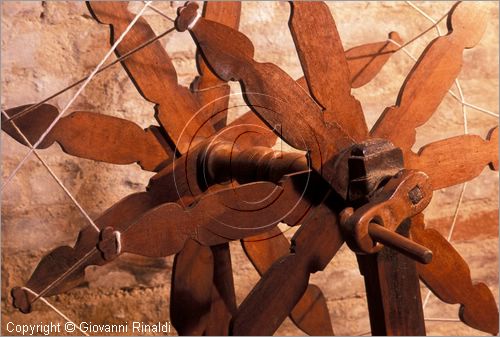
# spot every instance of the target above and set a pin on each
(223, 161)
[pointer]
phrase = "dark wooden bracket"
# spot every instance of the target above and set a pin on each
(391, 278)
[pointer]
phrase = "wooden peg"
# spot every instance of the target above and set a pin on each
(402, 197)
(392, 239)
(400, 243)
(63, 268)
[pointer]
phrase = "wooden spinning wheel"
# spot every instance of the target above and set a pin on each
(216, 183)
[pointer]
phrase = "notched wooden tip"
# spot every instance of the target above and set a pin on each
(448, 276)
(493, 138)
(20, 300)
(481, 314)
(468, 19)
(185, 16)
(395, 37)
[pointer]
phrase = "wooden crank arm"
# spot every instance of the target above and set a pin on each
(92, 136)
(403, 196)
(432, 76)
(456, 160)
(154, 75)
(325, 66)
(449, 278)
(63, 268)
(310, 314)
(284, 284)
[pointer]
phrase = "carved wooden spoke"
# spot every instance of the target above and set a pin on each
(217, 182)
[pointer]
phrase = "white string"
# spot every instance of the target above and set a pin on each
(462, 98)
(77, 204)
(34, 146)
(79, 91)
(439, 319)
(160, 12)
(57, 311)
(428, 17)
(455, 214)
(195, 20)
(475, 107)
(478, 108)
(118, 240)
(426, 300)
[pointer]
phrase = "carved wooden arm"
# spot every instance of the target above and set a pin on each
(92, 136)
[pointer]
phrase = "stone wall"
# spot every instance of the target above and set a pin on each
(48, 45)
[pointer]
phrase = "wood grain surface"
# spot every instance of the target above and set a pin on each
(432, 76)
